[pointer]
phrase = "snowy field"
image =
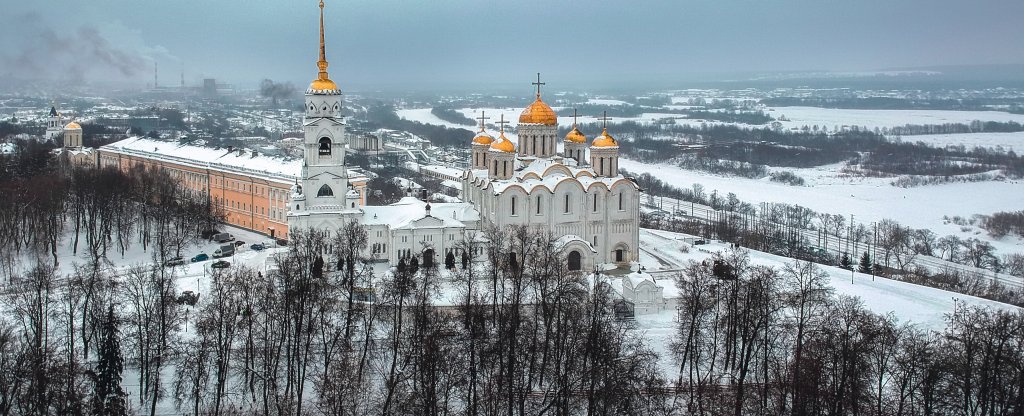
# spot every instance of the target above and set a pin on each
(867, 199)
(831, 117)
(1008, 141)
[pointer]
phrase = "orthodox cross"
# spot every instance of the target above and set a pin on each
(502, 123)
(574, 115)
(604, 118)
(483, 120)
(538, 84)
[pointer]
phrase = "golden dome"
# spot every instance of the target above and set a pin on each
(483, 138)
(605, 140)
(575, 136)
(539, 113)
(324, 84)
(72, 126)
(503, 144)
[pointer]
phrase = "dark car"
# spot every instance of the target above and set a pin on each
(200, 257)
(221, 264)
(177, 261)
(258, 247)
(239, 243)
(699, 242)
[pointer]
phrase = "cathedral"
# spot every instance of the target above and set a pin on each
(578, 194)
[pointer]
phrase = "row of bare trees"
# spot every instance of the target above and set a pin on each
(777, 341)
(100, 211)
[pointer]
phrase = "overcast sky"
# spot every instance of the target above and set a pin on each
(396, 43)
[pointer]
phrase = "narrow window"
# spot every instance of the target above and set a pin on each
(566, 203)
(538, 205)
(595, 202)
(513, 206)
(620, 201)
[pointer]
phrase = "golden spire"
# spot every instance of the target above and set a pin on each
(322, 64)
(322, 82)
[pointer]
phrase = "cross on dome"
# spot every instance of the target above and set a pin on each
(502, 124)
(538, 84)
(604, 118)
(483, 120)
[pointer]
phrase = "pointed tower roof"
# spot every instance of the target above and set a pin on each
(322, 82)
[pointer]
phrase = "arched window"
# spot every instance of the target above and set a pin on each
(325, 146)
(513, 206)
(575, 261)
(325, 191)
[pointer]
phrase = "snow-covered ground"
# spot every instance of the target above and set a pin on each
(1008, 141)
(135, 255)
(867, 199)
(831, 117)
(920, 305)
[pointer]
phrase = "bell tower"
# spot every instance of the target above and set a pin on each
(324, 180)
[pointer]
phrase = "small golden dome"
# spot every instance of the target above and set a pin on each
(605, 140)
(503, 144)
(539, 113)
(323, 85)
(72, 126)
(575, 136)
(483, 138)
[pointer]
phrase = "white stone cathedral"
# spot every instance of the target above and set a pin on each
(579, 195)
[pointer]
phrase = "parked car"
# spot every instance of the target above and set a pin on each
(223, 237)
(200, 257)
(220, 264)
(177, 261)
(258, 247)
(239, 243)
(225, 250)
(208, 234)
(699, 242)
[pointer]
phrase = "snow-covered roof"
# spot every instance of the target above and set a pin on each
(562, 241)
(242, 161)
(237, 160)
(544, 172)
(408, 213)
